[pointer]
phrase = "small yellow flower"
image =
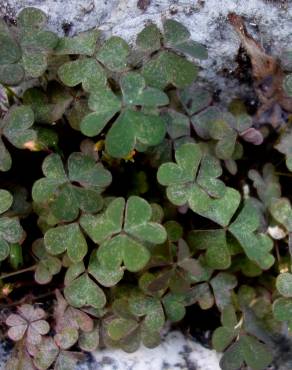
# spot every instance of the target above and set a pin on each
(130, 156)
(32, 146)
(99, 145)
(6, 290)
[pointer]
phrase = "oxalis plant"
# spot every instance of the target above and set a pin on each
(129, 195)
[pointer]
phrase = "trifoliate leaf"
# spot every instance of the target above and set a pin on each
(200, 190)
(57, 191)
(121, 231)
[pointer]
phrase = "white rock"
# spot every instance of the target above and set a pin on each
(269, 21)
(176, 352)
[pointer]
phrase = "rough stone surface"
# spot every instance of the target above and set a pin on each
(176, 352)
(270, 21)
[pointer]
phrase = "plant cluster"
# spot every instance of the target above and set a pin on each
(150, 198)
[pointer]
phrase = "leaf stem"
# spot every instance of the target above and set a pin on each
(283, 174)
(31, 268)
(13, 93)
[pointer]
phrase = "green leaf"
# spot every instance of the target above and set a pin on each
(281, 210)
(47, 353)
(66, 338)
(288, 84)
(284, 144)
(6, 200)
(149, 39)
(120, 328)
(34, 63)
(135, 92)
(222, 285)
(123, 248)
(168, 68)
(5, 158)
(84, 43)
(194, 98)
(200, 293)
(89, 341)
(282, 309)
(10, 50)
(185, 186)
(101, 227)
(47, 265)
(48, 107)
(177, 37)
(66, 238)
(17, 125)
(10, 229)
(4, 249)
(83, 291)
(178, 125)
(188, 157)
(11, 74)
(225, 135)
(217, 254)
(137, 221)
(174, 32)
(133, 222)
(131, 128)
(174, 307)
(256, 355)
(57, 191)
(86, 71)
(114, 54)
(232, 359)
(104, 104)
(221, 338)
(150, 308)
(174, 230)
(31, 19)
(267, 185)
(256, 246)
(36, 43)
(284, 284)
(106, 277)
(84, 170)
